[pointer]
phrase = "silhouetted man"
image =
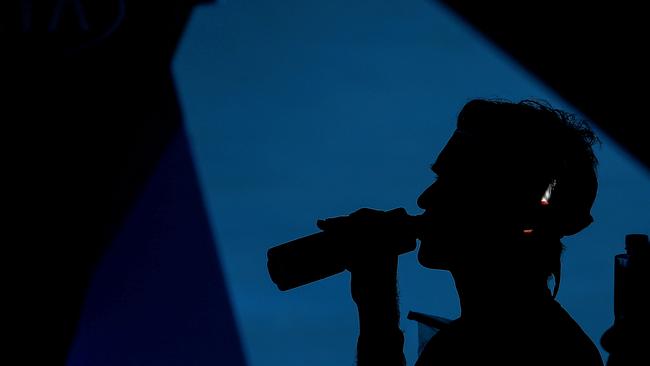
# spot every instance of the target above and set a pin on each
(511, 182)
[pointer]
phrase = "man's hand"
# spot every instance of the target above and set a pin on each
(378, 236)
(373, 266)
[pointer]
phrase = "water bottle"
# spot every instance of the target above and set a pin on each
(630, 287)
(627, 340)
(324, 254)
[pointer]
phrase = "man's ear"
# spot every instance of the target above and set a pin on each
(537, 216)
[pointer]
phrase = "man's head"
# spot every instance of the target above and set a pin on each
(511, 173)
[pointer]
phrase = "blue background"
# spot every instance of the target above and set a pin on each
(304, 109)
(299, 110)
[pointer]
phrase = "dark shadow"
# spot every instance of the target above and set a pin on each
(88, 107)
(590, 54)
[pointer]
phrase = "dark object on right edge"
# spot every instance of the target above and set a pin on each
(627, 340)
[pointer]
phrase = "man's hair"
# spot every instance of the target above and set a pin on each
(548, 146)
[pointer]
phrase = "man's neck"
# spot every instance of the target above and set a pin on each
(494, 294)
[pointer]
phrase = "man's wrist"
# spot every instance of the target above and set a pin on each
(374, 288)
(381, 348)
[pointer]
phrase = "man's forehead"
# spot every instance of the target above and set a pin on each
(460, 152)
(467, 153)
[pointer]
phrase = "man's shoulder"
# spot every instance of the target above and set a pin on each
(572, 340)
(551, 337)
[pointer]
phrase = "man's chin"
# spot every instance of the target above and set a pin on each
(432, 261)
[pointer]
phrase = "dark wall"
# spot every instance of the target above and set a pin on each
(88, 107)
(592, 54)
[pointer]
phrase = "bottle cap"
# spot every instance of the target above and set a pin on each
(637, 243)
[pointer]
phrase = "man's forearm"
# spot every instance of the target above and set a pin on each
(381, 341)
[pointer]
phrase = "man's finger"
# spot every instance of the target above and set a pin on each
(334, 223)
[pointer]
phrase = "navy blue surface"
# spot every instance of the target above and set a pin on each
(299, 110)
(158, 296)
